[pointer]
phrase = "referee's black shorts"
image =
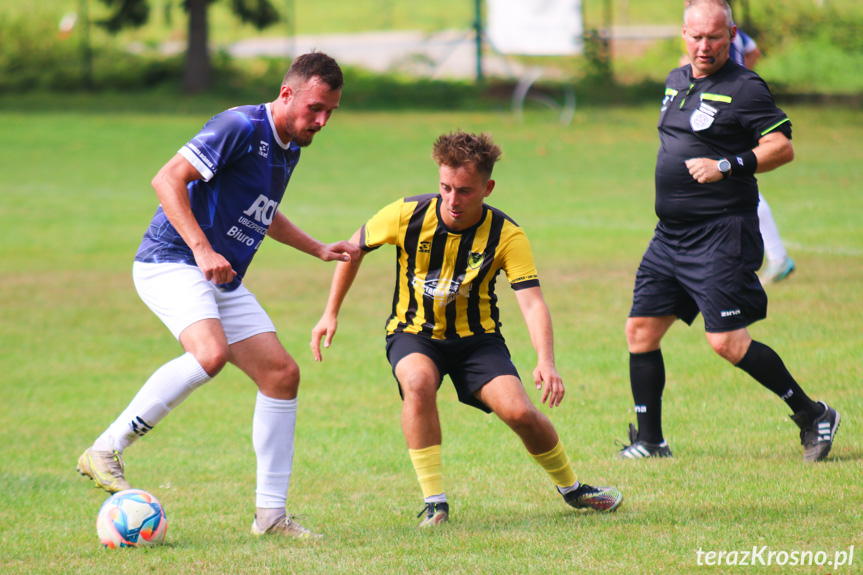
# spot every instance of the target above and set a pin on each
(708, 268)
(471, 362)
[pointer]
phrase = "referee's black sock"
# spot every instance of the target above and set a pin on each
(765, 365)
(647, 378)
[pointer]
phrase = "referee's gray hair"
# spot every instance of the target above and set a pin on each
(717, 3)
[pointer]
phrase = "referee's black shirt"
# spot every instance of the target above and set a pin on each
(718, 116)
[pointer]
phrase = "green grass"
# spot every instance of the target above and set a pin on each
(76, 343)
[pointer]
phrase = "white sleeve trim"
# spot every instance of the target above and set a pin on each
(206, 173)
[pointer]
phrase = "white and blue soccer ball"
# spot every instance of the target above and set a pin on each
(131, 518)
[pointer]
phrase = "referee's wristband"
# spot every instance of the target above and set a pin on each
(745, 164)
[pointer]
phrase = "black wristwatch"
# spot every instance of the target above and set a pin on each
(724, 166)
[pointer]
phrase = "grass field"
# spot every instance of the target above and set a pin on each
(76, 343)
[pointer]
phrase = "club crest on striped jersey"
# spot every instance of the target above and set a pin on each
(475, 259)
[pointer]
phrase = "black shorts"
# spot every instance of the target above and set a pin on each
(708, 268)
(471, 362)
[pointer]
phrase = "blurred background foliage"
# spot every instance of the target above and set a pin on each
(811, 47)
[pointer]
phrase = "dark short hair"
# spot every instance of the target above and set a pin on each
(458, 149)
(315, 65)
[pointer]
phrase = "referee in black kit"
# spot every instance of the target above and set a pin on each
(718, 127)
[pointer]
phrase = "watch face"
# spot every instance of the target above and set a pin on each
(724, 165)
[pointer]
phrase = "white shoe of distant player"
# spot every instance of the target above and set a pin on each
(776, 271)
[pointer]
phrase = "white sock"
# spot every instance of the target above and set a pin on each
(565, 490)
(265, 518)
(774, 249)
(273, 428)
(166, 389)
(441, 498)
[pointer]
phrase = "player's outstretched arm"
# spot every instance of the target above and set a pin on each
(286, 232)
(343, 279)
(170, 185)
(538, 320)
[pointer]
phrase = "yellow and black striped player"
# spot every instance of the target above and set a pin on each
(450, 248)
(445, 277)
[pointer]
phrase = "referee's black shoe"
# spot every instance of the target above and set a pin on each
(641, 449)
(816, 435)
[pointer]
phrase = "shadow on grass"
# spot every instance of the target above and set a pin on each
(844, 455)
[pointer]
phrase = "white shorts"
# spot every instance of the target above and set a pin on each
(180, 295)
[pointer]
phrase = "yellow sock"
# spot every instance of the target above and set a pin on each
(427, 463)
(556, 463)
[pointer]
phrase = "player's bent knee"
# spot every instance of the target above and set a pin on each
(635, 335)
(420, 383)
(727, 350)
(279, 379)
(731, 346)
(212, 359)
(520, 416)
(419, 396)
(287, 377)
(644, 334)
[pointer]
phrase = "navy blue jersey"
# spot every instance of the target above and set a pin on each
(719, 116)
(245, 169)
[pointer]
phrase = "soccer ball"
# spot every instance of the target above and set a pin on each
(131, 518)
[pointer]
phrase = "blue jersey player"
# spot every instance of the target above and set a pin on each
(219, 198)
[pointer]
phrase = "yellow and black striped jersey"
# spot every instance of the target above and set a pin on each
(445, 279)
